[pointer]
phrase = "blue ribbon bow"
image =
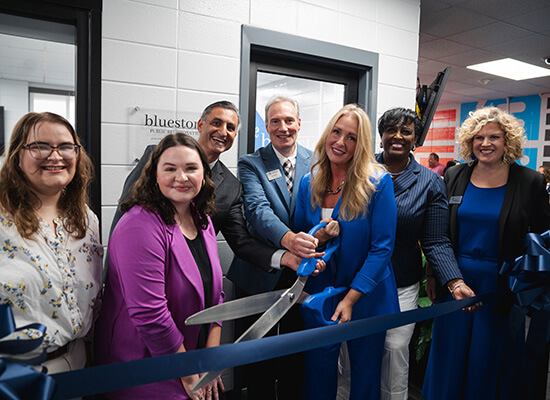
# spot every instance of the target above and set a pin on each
(529, 279)
(18, 381)
(529, 274)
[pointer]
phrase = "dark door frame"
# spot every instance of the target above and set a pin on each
(281, 49)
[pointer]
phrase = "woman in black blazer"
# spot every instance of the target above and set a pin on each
(494, 203)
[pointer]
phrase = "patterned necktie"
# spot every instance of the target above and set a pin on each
(288, 170)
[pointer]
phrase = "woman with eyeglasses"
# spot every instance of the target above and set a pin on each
(51, 257)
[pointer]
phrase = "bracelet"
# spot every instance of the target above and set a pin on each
(430, 275)
(457, 285)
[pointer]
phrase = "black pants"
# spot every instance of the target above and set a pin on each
(279, 378)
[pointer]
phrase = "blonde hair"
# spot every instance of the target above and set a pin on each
(363, 171)
(510, 125)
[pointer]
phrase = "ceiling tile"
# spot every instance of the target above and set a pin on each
(503, 9)
(450, 21)
(441, 48)
(489, 35)
(424, 37)
(535, 21)
(532, 44)
(471, 57)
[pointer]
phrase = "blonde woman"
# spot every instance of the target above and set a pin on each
(493, 203)
(51, 259)
(350, 189)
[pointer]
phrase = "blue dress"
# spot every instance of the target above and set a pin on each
(363, 263)
(466, 347)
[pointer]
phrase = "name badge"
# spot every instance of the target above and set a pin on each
(273, 174)
(455, 200)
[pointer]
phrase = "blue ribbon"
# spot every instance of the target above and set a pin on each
(529, 274)
(21, 381)
(529, 279)
(112, 377)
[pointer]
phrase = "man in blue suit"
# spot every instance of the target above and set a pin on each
(270, 179)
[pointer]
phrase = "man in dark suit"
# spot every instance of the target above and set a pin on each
(270, 178)
(218, 128)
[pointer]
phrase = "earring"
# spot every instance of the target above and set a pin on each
(203, 181)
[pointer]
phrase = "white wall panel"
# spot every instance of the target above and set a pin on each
(401, 14)
(113, 177)
(162, 3)
(364, 8)
(137, 63)
(357, 32)
(197, 101)
(122, 144)
(107, 214)
(119, 100)
(397, 71)
(393, 96)
(204, 35)
(281, 16)
(329, 4)
(140, 23)
(236, 10)
(208, 72)
(317, 22)
(397, 42)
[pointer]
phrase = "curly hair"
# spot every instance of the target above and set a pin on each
(21, 202)
(147, 194)
(510, 125)
(363, 171)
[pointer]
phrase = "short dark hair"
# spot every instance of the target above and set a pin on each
(147, 194)
(222, 104)
(435, 156)
(399, 117)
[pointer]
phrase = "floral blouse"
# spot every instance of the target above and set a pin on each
(54, 280)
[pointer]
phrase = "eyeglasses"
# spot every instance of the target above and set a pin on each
(41, 151)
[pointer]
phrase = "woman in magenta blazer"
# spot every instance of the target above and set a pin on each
(164, 267)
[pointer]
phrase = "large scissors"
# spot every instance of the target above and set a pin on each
(274, 305)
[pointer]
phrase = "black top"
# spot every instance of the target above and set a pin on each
(198, 249)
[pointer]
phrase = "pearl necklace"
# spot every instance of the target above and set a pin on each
(396, 174)
(337, 190)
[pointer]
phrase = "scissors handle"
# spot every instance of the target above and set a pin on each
(307, 266)
(312, 307)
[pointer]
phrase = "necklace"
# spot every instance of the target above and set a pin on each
(396, 174)
(337, 190)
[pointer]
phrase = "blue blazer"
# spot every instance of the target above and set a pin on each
(422, 216)
(363, 260)
(268, 209)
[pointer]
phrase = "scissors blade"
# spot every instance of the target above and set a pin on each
(236, 308)
(267, 321)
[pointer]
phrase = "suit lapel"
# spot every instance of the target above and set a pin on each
(407, 178)
(217, 174)
(511, 186)
(272, 163)
(212, 250)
